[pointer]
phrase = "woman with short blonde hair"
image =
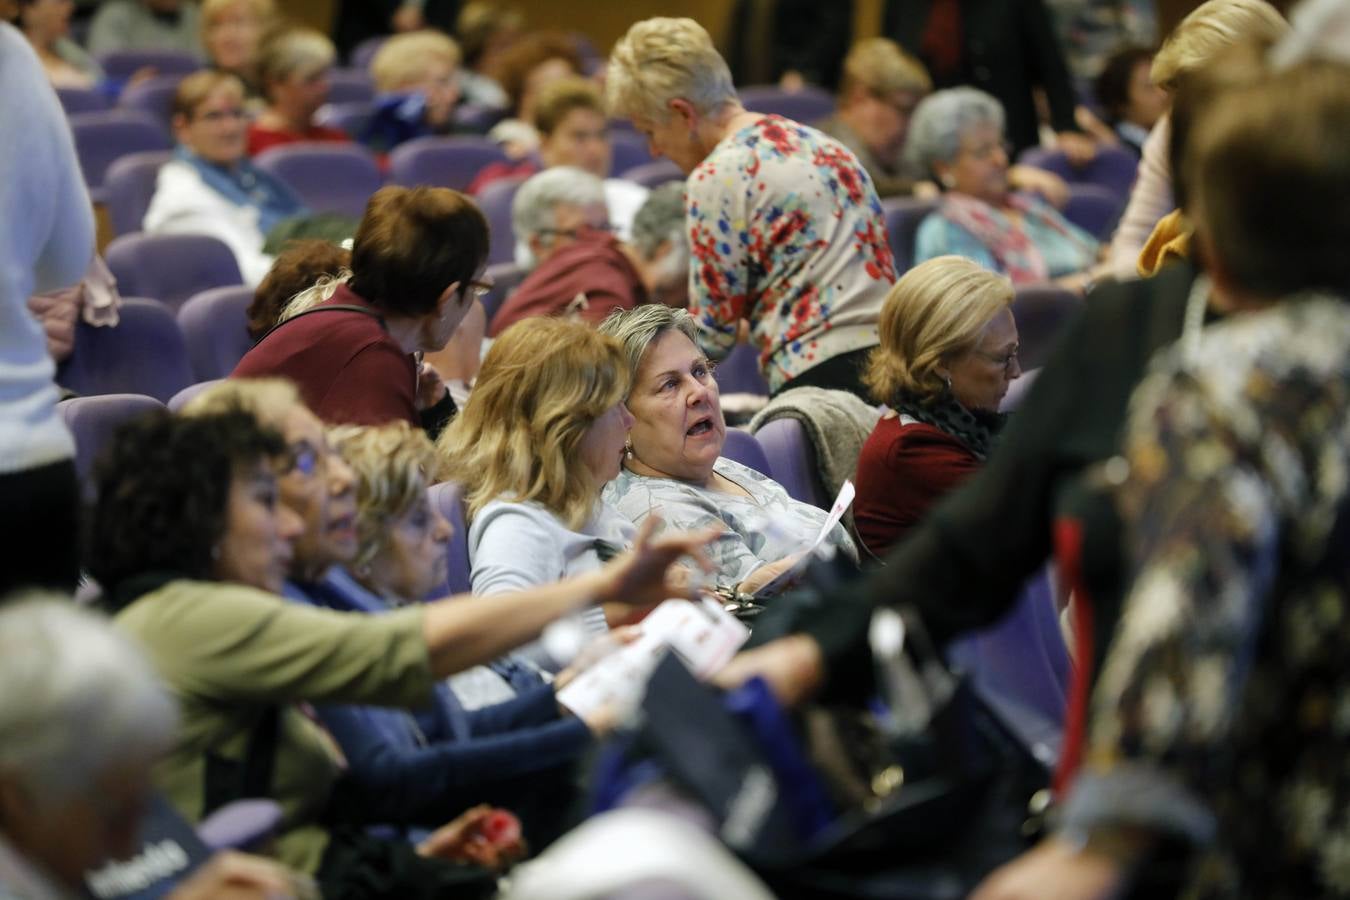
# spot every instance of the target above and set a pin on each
(660, 60)
(543, 431)
(948, 354)
(421, 63)
(1210, 29)
(232, 34)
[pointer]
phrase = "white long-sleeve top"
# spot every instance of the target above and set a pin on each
(46, 242)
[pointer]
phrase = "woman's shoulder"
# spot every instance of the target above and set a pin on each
(501, 512)
(172, 602)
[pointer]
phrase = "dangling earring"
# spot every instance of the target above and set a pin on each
(628, 449)
(948, 182)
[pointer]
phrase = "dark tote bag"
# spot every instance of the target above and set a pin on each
(947, 805)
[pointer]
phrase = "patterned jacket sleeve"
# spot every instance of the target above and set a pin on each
(1201, 522)
(720, 277)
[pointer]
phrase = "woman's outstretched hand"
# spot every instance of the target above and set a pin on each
(650, 572)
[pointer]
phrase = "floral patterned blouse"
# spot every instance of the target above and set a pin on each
(786, 231)
(1222, 713)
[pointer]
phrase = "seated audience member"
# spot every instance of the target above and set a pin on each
(588, 273)
(1132, 102)
(957, 137)
(606, 274)
(543, 432)
(300, 267)
(83, 722)
(210, 187)
(293, 67)
(485, 31)
(416, 268)
(882, 85)
(523, 70)
(232, 35)
(514, 754)
(809, 264)
(417, 78)
(948, 353)
(46, 24)
(192, 548)
(146, 25)
(555, 209)
(570, 116)
(673, 465)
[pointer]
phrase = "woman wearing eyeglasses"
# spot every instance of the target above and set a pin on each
(210, 187)
(957, 136)
(416, 269)
(948, 354)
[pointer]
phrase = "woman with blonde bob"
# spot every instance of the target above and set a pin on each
(948, 354)
(542, 433)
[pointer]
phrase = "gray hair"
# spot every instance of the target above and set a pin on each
(662, 59)
(942, 118)
(660, 219)
(638, 328)
(79, 698)
(532, 210)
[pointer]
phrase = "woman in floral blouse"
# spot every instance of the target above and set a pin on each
(1221, 717)
(784, 224)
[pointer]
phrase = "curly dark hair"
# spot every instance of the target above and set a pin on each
(163, 492)
(298, 266)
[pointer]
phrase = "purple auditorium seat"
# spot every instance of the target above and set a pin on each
(622, 126)
(82, 100)
(744, 448)
(187, 394)
(125, 63)
(351, 117)
(365, 51)
(472, 118)
(92, 421)
(447, 498)
(1041, 313)
(807, 105)
(143, 353)
(350, 86)
(1094, 209)
(171, 267)
(903, 217)
(1022, 660)
(442, 161)
(154, 96)
(739, 372)
(244, 825)
(327, 177)
(505, 277)
(101, 137)
(1112, 167)
(628, 152)
(129, 186)
(793, 460)
(654, 174)
(495, 202)
(215, 329)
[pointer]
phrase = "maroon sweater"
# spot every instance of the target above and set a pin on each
(347, 367)
(594, 266)
(902, 471)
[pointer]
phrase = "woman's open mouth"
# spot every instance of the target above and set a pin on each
(701, 427)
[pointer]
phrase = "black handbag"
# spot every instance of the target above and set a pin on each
(945, 804)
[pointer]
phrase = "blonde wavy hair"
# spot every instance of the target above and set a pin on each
(932, 315)
(1209, 29)
(394, 464)
(267, 399)
(663, 59)
(542, 385)
(878, 65)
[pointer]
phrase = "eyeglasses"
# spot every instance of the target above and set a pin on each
(221, 115)
(574, 233)
(1004, 360)
(303, 459)
(478, 289)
